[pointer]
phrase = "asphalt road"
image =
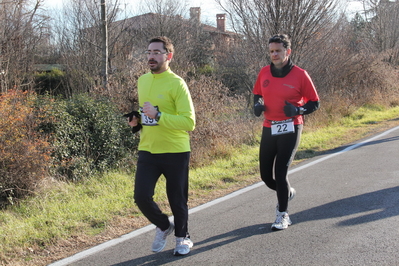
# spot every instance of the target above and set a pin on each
(346, 212)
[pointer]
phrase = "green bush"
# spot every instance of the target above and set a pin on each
(52, 82)
(89, 135)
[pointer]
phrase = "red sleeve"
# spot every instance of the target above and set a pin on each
(258, 84)
(309, 92)
(256, 90)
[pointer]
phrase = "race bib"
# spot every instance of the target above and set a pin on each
(283, 127)
(147, 121)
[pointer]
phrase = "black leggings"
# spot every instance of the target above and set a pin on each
(175, 168)
(275, 156)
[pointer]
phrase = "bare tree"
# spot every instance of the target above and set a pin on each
(80, 38)
(23, 31)
(302, 20)
(382, 27)
(104, 40)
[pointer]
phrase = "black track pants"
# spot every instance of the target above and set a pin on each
(275, 156)
(174, 166)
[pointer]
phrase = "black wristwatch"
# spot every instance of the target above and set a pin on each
(158, 116)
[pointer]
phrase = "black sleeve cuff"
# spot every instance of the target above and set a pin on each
(310, 107)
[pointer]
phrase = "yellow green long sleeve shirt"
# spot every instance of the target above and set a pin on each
(170, 94)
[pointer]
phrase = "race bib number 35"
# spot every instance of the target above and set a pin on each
(283, 127)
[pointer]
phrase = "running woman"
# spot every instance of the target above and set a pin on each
(284, 93)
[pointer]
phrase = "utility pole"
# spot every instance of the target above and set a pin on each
(104, 35)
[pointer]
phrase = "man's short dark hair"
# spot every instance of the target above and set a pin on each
(167, 43)
(281, 38)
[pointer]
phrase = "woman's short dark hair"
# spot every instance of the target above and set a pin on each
(167, 43)
(281, 38)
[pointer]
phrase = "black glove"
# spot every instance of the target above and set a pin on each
(258, 109)
(290, 110)
(137, 128)
(130, 115)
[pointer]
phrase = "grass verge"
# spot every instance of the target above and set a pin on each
(64, 218)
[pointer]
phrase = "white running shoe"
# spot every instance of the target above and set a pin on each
(183, 245)
(160, 238)
(282, 221)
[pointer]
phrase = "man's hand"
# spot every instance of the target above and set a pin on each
(149, 110)
(258, 109)
(133, 120)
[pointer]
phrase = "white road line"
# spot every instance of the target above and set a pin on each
(148, 228)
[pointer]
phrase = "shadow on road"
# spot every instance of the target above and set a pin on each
(396, 138)
(341, 148)
(369, 207)
(202, 246)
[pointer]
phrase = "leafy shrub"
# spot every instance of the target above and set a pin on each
(24, 151)
(52, 82)
(89, 135)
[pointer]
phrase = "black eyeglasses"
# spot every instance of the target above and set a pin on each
(154, 53)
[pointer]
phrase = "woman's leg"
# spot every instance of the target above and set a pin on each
(287, 146)
(267, 155)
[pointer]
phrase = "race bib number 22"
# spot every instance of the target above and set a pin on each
(283, 127)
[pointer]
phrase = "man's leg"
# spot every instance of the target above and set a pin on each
(147, 175)
(176, 173)
(175, 169)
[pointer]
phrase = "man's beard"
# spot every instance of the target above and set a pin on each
(155, 65)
